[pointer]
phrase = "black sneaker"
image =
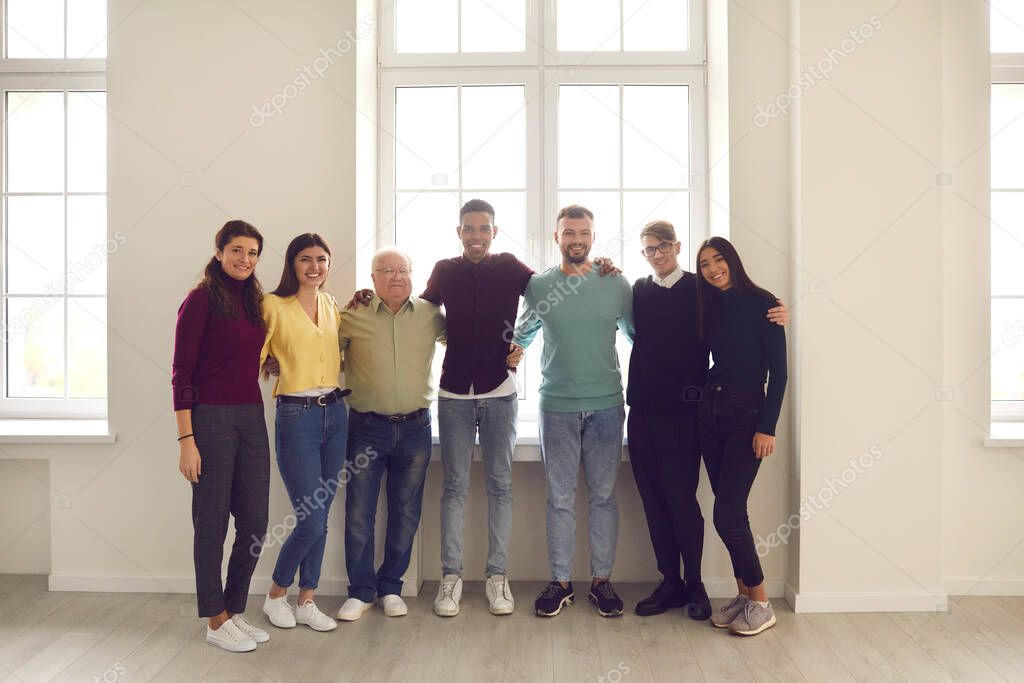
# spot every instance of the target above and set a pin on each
(552, 599)
(667, 595)
(609, 604)
(696, 603)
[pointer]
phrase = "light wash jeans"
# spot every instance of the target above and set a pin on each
(595, 439)
(458, 420)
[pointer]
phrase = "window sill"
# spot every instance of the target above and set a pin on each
(55, 431)
(1005, 435)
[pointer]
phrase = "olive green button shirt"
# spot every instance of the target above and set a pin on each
(388, 356)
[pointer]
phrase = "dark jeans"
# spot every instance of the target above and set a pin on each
(402, 451)
(310, 451)
(728, 419)
(664, 451)
(235, 480)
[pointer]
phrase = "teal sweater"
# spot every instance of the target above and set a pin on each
(579, 315)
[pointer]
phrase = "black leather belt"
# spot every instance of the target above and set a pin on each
(397, 419)
(308, 401)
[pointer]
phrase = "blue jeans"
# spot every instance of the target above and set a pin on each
(595, 439)
(402, 450)
(310, 450)
(458, 420)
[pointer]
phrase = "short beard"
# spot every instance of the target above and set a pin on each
(575, 260)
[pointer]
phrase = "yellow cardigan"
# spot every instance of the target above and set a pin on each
(308, 354)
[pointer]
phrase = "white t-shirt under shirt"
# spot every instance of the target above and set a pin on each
(504, 389)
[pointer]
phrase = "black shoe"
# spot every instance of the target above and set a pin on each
(697, 606)
(667, 595)
(609, 604)
(552, 599)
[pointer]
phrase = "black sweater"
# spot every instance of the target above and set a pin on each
(669, 363)
(747, 348)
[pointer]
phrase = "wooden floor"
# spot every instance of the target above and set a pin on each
(157, 637)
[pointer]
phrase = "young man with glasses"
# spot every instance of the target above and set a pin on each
(667, 370)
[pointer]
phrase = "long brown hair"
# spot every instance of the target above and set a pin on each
(289, 283)
(215, 279)
(737, 276)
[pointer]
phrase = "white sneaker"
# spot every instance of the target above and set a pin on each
(279, 611)
(309, 614)
(254, 632)
(499, 594)
(229, 637)
(394, 606)
(449, 594)
(353, 609)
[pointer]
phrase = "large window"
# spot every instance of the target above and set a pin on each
(533, 106)
(55, 242)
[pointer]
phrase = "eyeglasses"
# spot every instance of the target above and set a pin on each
(664, 248)
(391, 272)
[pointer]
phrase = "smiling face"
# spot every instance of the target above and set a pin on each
(476, 233)
(312, 265)
(239, 257)
(714, 269)
(389, 281)
(575, 237)
(662, 263)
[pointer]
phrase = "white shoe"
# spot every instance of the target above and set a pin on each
(229, 637)
(254, 632)
(353, 609)
(449, 594)
(499, 594)
(394, 606)
(279, 611)
(309, 614)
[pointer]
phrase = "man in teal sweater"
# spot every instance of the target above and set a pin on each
(581, 404)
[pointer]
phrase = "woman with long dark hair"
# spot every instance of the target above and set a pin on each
(311, 423)
(736, 418)
(222, 436)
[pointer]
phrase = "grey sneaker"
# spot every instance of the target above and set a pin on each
(753, 619)
(724, 616)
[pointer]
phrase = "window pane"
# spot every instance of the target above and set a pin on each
(87, 28)
(588, 136)
(35, 142)
(35, 245)
(1007, 135)
(639, 209)
(494, 137)
(1008, 347)
(87, 142)
(655, 25)
(425, 227)
(655, 136)
(87, 253)
(1007, 21)
(588, 25)
(35, 347)
(493, 25)
(426, 26)
(87, 348)
(35, 29)
(1007, 242)
(426, 138)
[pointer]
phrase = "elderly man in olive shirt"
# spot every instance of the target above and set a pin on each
(388, 347)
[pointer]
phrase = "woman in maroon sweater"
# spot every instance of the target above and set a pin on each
(222, 434)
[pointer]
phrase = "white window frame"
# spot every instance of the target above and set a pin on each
(42, 75)
(1007, 68)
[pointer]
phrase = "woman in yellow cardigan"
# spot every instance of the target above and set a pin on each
(311, 423)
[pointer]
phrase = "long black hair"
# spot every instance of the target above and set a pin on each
(738, 280)
(289, 284)
(215, 279)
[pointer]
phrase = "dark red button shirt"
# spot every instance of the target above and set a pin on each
(481, 301)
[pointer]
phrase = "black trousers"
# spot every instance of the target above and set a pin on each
(728, 419)
(664, 451)
(235, 480)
